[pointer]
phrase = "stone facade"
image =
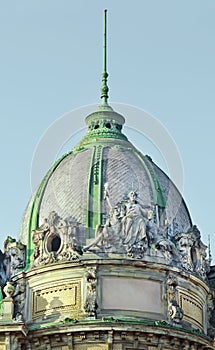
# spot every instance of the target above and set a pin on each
(106, 303)
(120, 336)
(132, 285)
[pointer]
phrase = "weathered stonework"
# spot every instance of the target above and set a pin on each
(57, 299)
(90, 305)
(136, 337)
(56, 240)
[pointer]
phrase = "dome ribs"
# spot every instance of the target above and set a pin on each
(95, 190)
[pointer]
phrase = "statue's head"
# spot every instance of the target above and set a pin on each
(132, 195)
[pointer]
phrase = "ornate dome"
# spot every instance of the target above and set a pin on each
(83, 188)
(107, 255)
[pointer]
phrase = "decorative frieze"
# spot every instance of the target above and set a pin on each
(120, 340)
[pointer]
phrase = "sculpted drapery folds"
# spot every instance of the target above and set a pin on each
(125, 229)
(134, 221)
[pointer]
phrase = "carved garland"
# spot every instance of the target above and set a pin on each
(90, 305)
(175, 312)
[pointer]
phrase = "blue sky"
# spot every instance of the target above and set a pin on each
(161, 59)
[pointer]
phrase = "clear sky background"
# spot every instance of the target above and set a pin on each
(161, 59)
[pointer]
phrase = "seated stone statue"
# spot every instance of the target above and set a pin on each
(125, 229)
(135, 221)
(108, 235)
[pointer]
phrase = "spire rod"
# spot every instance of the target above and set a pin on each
(104, 87)
(209, 250)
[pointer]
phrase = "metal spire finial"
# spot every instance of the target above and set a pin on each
(209, 250)
(104, 87)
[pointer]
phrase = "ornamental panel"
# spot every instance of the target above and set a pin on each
(57, 299)
(131, 294)
(192, 307)
(97, 347)
(91, 347)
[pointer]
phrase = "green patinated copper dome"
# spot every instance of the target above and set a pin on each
(74, 187)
